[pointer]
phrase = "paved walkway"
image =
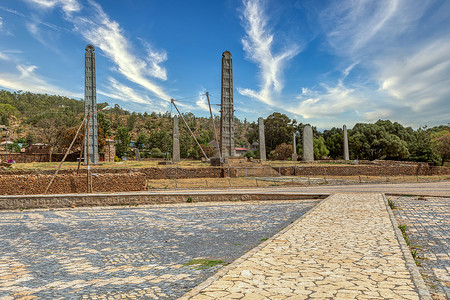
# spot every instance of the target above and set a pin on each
(422, 188)
(130, 252)
(427, 221)
(346, 248)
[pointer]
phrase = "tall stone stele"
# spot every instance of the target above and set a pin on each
(227, 111)
(176, 141)
(90, 106)
(346, 154)
(294, 144)
(308, 148)
(262, 139)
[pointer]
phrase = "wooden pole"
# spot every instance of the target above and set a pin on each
(64, 158)
(214, 125)
(185, 123)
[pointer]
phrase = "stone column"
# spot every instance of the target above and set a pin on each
(262, 139)
(308, 147)
(227, 110)
(176, 141)
(137, 154)
(90, 101)
(294, 144)
(346, 155)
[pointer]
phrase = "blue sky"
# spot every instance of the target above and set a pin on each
(326, 63)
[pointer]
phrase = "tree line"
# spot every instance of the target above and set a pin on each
(383, 139)
(53, 120)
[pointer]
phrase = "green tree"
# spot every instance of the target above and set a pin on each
(123, 139)
(278, 129)
(6, 112)
(443, 146)
(160, 139)
(320, 149)
(141, 141)
(334, 141)
(374, 141)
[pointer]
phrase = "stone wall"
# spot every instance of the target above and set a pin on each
(61, 201)
(367, 170)
(73, 183)
(35, 157)
(150, 173)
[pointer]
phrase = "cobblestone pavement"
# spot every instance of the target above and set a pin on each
(346, 248)
(112, 253)
(428, 230)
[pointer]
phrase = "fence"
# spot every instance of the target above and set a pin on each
(291, 176)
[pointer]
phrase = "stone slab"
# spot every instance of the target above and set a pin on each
(308, 147)
(345, 248)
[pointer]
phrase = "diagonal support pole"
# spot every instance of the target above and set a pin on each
(185, 123)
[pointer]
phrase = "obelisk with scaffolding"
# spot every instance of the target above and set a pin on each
(90, 107)
(227, 110)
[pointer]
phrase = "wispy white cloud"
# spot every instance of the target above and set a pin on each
(97, 28)
(258, 47)
(328, 102)
(122, 92)
(107, 34)
(403, 66)
(68, 6)
(421, 80)
(27, 79)
(202, 102)
(358, 28)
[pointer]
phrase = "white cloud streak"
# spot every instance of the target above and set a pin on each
(328, 103)
(421, 80)
(404, 67)
(122, 92)
(27, 79)
(202, 102)
(258, 47)
(68, 6)
(98, 29)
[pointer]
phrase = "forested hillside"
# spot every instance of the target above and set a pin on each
(53, 120)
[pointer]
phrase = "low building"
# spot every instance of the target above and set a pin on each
(37, 148)
(240, 151)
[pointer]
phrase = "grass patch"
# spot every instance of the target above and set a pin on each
(391, 204)
(403, 230)
(412, 249)
(264, 239)
(201, 264)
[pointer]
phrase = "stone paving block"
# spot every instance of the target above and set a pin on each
(345, 248)
(428, 230)
(115, 253)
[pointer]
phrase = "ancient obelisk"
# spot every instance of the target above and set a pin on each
(344, 130)
(262, 139)
(308, 145)
(227, 111)
(176, 141)
(90, 106)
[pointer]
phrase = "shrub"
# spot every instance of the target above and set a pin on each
(156, 153)
(283, 151)
(250, 153)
